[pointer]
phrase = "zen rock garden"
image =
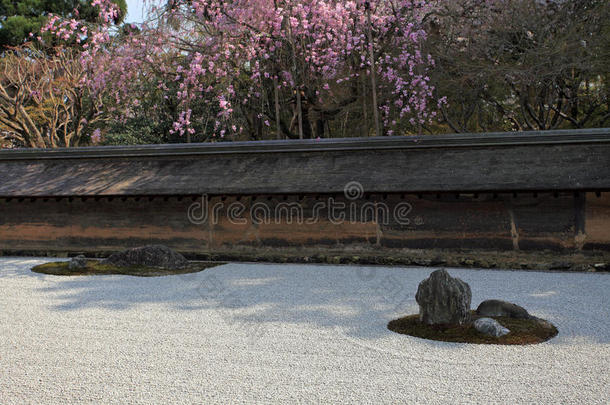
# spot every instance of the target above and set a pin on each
(444, 301)
(445, 314)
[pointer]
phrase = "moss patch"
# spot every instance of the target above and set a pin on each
(522, 331)
(96, 268)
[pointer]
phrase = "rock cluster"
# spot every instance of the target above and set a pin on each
(443, 299)
(150, 256)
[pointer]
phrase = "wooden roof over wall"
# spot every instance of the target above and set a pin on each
(549, 160)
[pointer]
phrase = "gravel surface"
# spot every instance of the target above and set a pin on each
(257, 333)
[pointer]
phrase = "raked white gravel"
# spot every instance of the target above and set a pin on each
(258, 333)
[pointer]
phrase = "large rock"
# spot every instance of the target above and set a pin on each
(443, 299)
(502, 308)
(490, 327)
(151, 256)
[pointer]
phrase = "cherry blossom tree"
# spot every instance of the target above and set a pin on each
(43, 99)
(261, 65)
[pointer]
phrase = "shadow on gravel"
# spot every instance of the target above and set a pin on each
(354, 301)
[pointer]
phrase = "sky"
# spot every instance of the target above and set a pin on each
(135, 11)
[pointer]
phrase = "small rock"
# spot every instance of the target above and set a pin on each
(583, 268)
(502, 308)
(468, 262)
(443, 299)
(78, 262)
(422, 262)
(490, 327)
(437, 261)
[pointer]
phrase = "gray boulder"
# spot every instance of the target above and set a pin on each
(150, 256)
(78, 262)
(443, 299)
(502, 308)
(490, 327)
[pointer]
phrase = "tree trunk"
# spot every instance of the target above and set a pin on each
(320, 123)
(373, 73)
(276, 92)
(299, 113)
(365, 113)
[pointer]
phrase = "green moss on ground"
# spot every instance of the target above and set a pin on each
(96, 268)
(522, 331)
